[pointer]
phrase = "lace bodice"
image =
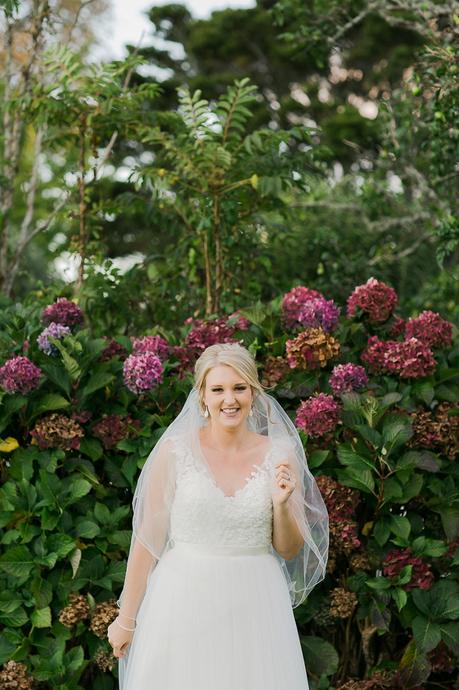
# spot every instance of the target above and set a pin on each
(202, 513)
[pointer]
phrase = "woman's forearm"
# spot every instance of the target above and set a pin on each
(139, 566)
(287, 538)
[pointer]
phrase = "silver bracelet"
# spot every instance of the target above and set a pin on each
(123, 627)
(128, 617)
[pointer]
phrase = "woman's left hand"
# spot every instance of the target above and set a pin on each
(286, 482)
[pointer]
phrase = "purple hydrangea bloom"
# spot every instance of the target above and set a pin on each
(142, 372)
(55, 330)
(319, 312)
(347, 377)
(294, 301)
(63, 311)
(19, 375)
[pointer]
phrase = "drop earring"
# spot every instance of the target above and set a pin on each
(251, 412)
(206, 412)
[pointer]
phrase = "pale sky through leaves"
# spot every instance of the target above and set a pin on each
(128, 21)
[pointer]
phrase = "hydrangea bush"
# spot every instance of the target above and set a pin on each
(374, 395)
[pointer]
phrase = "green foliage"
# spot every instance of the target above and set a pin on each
(9, 7)
(65, 513)
(214, 179)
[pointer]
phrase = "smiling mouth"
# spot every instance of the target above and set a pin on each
(230, 411)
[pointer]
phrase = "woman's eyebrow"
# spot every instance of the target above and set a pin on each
(220, 385)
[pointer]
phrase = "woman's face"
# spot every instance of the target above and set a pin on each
(228, 396)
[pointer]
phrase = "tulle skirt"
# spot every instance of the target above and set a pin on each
(215, 619)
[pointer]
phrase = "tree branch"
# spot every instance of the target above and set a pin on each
(28, 217)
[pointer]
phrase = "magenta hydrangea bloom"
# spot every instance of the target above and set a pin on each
(151, 343)
(421, 574)
(411, 359)
(205, 333)
(376, 299)
(142, 372)
(55, 330)
(347, 377)
(318, 415)
(319, 313)
(19, 375)
(63, 311)
(294, 301)
(430, 328)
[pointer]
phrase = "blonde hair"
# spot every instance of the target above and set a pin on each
(232, 355)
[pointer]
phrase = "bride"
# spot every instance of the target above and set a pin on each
(229, 533)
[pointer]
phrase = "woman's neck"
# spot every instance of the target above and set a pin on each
(226, 439)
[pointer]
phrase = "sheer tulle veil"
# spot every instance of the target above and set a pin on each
(154, 493)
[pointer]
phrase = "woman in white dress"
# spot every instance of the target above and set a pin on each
(229, 532)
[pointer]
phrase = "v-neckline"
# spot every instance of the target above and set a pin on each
(257, 468)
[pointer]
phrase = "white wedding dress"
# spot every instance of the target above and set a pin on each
(216, 614)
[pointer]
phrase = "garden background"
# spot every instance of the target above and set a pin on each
(284, 176)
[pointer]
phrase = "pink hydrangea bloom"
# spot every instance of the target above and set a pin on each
(142, 372)
(431, 329)
(376, 299)
(151, 343)
(421, 574)
(318, 415)
(19, 375)
(294, 301)
(63, 311)
(409, 359)
(55, 330)
(319, 312)
(347, 377)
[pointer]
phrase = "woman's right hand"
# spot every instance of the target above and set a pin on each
(119, 639)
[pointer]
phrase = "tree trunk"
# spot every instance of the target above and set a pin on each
(83, 239)
(208, 270)
(14, 124)
(218, 255)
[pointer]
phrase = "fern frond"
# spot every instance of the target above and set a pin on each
(232, 110)
(194, 111)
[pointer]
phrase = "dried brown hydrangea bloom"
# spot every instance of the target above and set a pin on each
(311, 349)
(14, 676)
(57, 431)
(342, 603)
(104, 660)
(360, 561)
(379, 681)
(275, 370)
(437, 429)
(76, 611)
(104, 614)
